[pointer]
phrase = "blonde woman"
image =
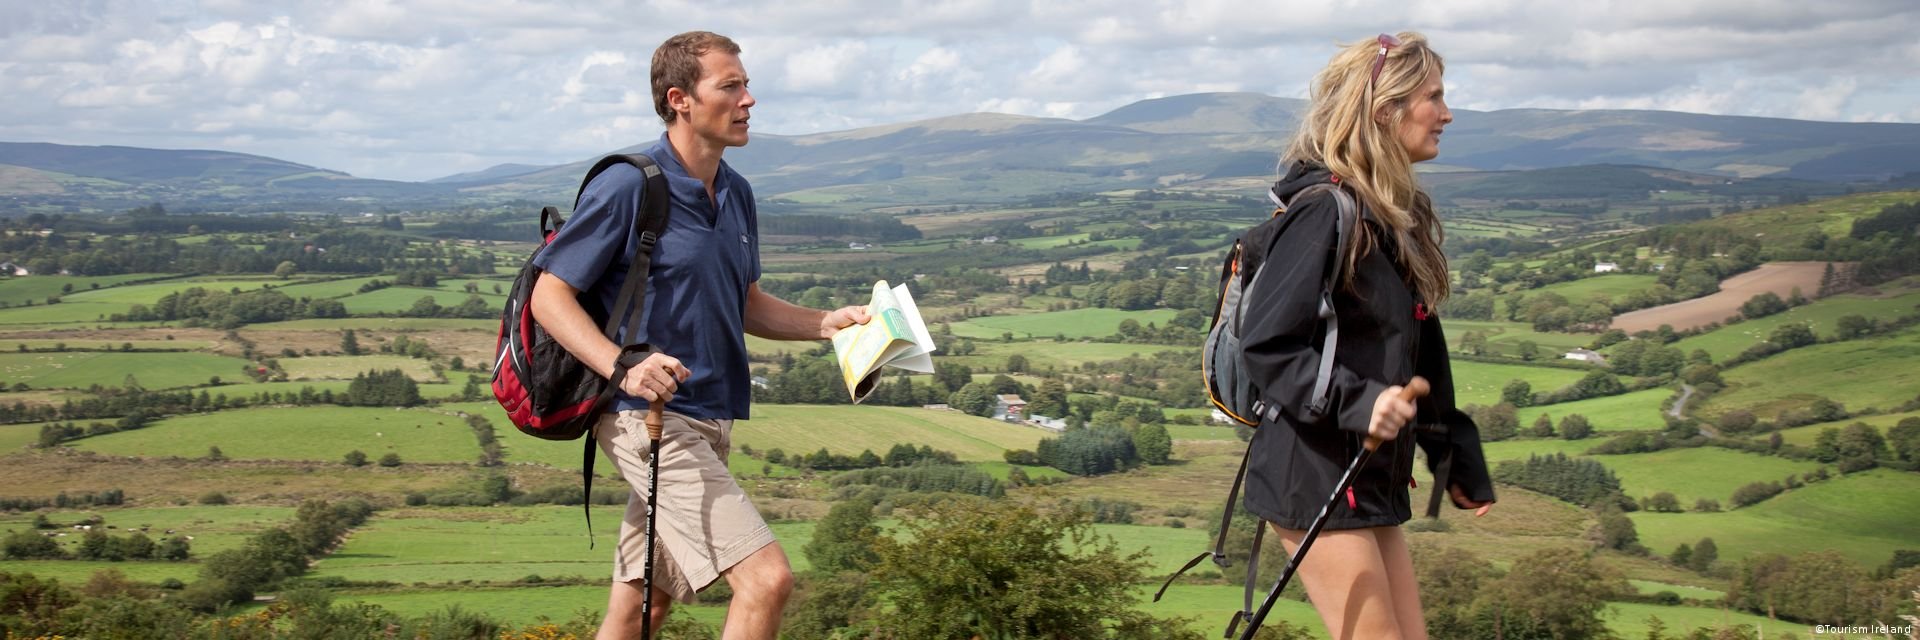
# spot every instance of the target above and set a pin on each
(1378, 108)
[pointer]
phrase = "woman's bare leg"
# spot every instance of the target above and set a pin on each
(1401, 582)
(1346, 577)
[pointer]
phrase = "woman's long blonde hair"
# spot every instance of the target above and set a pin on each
(1341, 133)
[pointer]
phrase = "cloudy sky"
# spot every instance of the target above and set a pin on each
(418, 89)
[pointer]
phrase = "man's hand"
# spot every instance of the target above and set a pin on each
(655, 378)
(842, 318)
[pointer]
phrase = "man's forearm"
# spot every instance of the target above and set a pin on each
(557, 308)
(775, 319)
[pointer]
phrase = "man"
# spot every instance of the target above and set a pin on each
(701, 295)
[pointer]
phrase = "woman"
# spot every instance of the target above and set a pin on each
(1377, 109)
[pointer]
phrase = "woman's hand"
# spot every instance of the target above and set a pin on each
(1461, 500)
(1391, 411)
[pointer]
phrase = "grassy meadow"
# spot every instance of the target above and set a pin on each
(319, 433)
(1074, 324)
(1879, 372)
(1633, 411)
(82, 369)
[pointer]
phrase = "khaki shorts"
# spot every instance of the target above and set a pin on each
(706, 523)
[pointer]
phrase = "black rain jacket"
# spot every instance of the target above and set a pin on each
(1297, 459)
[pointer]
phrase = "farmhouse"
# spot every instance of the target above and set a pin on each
(1605, 267)
(12, 269)
(1586, 355)
(1008, 407)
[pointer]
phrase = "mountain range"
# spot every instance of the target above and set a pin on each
(990, 156)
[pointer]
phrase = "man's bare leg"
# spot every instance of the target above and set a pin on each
(623, 612)
(761, 584)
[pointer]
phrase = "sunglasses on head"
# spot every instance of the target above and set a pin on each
(1386, 42)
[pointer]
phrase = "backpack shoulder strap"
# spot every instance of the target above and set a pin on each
(630, 306)
(1348, 213)
(654, 207)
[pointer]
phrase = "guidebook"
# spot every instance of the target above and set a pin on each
(895, 336)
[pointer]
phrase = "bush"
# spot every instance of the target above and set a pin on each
(1755, 493)
(213, 498)
(356, 458)
(390, 460)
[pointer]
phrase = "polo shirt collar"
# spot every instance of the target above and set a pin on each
(686, 188)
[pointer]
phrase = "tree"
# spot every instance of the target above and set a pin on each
(1705, 553)
(1662, 502)
(1000, 569)
(1498, 422)
(285, 269)
(1849, 327)
(1050, 400)
(390, 460)
(1518, 393)
(1575, 427)
(1553, 593)
(1529, 351)
(844, 539)
(1153, 444)
(1614, 531)
(1904, 439)
(1542, 426)
(973, 398)
(1016, 363)
(349, 344)
(1737, 421)
(1681, 556)
(356, 458)
(1792, 335)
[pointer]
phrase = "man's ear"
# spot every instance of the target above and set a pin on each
(678, 100)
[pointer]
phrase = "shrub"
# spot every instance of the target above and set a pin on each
(213, 498)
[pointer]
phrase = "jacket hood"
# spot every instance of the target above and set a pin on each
(1300, 175)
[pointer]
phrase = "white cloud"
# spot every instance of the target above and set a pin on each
(415, 89)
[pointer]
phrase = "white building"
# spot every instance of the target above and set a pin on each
(1605, 267)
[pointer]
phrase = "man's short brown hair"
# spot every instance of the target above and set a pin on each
(677, 64)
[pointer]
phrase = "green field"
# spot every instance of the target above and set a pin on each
(1865, 516)
(1896, 300)
(211, 529)
(1201, 432)
(15, 291)
(850, 429)
(1001, 469)
(82, 369)
(429, 391)
(1786, 226)
(14, 437)
(328, 289)
(320, 433)
(1635, 411)
(1808, 435)
(990, 354)
(346, 367)
(1505, 337)
(398, 299)
(1078, 323)
(51, 344)
(1521, 449)
(1480, 382)
(1879, 372)
(380, 324)
(1612, 285)
(147, 294)
(1698, 472)
(1629, 620)
(1213, 604)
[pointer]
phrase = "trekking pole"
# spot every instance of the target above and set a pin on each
(654, 422)
(1412, 391)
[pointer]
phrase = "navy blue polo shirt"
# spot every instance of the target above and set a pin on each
(697, 291)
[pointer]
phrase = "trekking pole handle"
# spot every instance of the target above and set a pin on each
(1413, 390)
(654, 420)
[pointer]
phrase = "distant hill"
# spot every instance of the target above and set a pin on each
(112, 178)
(999, 157)
(495, 172)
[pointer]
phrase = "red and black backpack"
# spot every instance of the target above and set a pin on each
(547, 392)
